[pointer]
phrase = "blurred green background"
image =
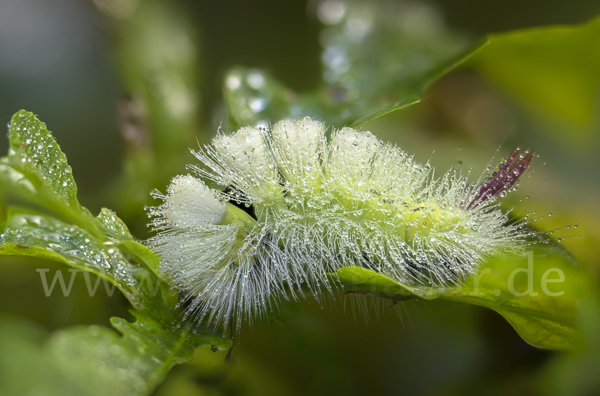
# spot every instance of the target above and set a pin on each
(126, 86)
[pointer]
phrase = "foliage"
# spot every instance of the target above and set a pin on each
(548, 69)
(57, 227)
(545, 320)
(376, 60)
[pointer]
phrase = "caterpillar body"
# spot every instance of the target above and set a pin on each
(307, 206)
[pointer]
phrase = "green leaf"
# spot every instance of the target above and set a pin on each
(125, 263)
(410, 92)
(57, 227)
(35, 235)
(137, 362)
(36, 172)
(46, 221)
(555, 69)
(378, 58)
(120, 235)
(521, 289)
(113, 225)
(35, 153)
(94, 360)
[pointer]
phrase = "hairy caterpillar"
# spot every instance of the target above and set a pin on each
(308, 206)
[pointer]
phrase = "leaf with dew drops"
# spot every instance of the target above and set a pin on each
(377, 58)
(149, 347)
(36, 173)
(120, 235)
(538, 293)
(32, 234)
(46, 221)
(35, 153)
